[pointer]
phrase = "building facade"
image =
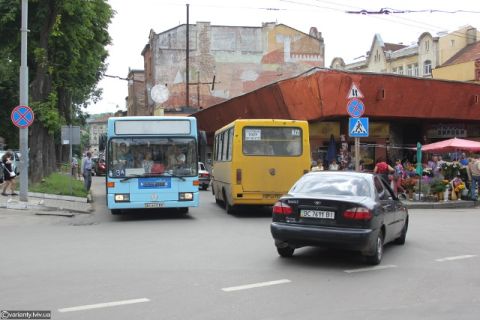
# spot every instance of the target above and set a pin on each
(224, 62)
(97, 125)
(464, 66)
(417, 60)
(136, 93)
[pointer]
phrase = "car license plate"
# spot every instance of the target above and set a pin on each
(154, 205)
(271, 196)
(318, 214)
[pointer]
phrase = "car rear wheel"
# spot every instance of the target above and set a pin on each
(377, 255)
(286, 252)
(401, 240)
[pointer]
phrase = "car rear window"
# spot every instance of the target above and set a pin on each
(332, 185)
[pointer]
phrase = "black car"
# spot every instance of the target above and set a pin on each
(339, 209)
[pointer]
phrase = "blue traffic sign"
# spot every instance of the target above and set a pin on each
(358, 127)
(22, 116)
(355, 108)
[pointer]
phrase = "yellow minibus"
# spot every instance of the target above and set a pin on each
(255, 161)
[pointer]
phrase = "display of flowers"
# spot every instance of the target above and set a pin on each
(457, 184)
(409, 184)
(450, 169)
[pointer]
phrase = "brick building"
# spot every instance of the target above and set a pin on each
(225, 61)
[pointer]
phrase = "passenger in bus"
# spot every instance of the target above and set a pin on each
(294, 148)
(147, 162)
(175, 157)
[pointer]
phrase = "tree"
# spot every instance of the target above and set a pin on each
(66, 58)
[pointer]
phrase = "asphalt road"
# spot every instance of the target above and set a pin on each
(210, 265)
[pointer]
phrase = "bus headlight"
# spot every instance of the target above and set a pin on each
(185, 196)
(122, 197)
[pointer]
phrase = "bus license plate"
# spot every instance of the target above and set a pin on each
(154, 205)
(318, 214)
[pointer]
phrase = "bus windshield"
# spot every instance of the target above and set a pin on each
(272, 141)
(146, 156)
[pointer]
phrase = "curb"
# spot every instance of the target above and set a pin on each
(442, 205)
(57, 197)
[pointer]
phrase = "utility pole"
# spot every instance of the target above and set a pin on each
(24, 102)
(187, 90)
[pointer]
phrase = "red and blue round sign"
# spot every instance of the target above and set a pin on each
(22, 116)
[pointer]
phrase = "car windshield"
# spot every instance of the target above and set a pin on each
(128, 157)
(332, 185)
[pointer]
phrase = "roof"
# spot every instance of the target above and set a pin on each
(393, 47)
(321, 94)
(469, 53)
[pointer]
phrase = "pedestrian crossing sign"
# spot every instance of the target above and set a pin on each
(358, 127)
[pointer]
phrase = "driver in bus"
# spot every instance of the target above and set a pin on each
(124, 156)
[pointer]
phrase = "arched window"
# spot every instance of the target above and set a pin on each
(427, 67)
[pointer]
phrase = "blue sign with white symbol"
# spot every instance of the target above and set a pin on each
(355, 108)
(358, 127)
(154, 183)
(22, 116)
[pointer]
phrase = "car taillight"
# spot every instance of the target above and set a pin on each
(358, 213)
(282, 208)
(204, 175)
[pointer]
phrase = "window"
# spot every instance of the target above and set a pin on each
(272, 141)
(427, 46)
(410, 70)
(415, 70)
(427, 67)
(400, 70)
(452, 43)
(394, 70)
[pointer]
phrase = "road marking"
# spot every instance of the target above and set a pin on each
(103, 305)
(467, 256)
(256, 285)
(388, 266)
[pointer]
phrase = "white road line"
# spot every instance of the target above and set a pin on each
(256, 285)
(388, 266)
(104, 305)
(467, 256)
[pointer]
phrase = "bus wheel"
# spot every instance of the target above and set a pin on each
(230, 208)
(183, 211)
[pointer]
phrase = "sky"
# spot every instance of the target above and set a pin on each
(346, 35)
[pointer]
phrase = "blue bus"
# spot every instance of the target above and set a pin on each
(152, 162)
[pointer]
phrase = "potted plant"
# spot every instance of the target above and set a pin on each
(438, 187)
(409, 185)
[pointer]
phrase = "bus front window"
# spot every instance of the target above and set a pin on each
(152, 156)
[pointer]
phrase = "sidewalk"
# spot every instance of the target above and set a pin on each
(450, 204)
(47, 203)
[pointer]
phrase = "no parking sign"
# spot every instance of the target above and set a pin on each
(22, 116)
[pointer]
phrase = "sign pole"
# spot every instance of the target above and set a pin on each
(357, 154)
(24, 102)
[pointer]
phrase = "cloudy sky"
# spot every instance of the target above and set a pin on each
(346, 35)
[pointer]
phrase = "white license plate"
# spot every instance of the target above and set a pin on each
(318, 214)
(154, 205)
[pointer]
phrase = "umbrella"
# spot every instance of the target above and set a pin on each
(332, 149)
(419, 168)
(452, 145)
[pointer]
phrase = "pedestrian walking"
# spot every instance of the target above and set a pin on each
(87, 171)
(8, 174)
(383, 169)
(473, 171)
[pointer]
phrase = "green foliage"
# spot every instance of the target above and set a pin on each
(58, 183)
(47, 112)
(66, 55)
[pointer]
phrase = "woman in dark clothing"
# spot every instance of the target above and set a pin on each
(9, 181)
